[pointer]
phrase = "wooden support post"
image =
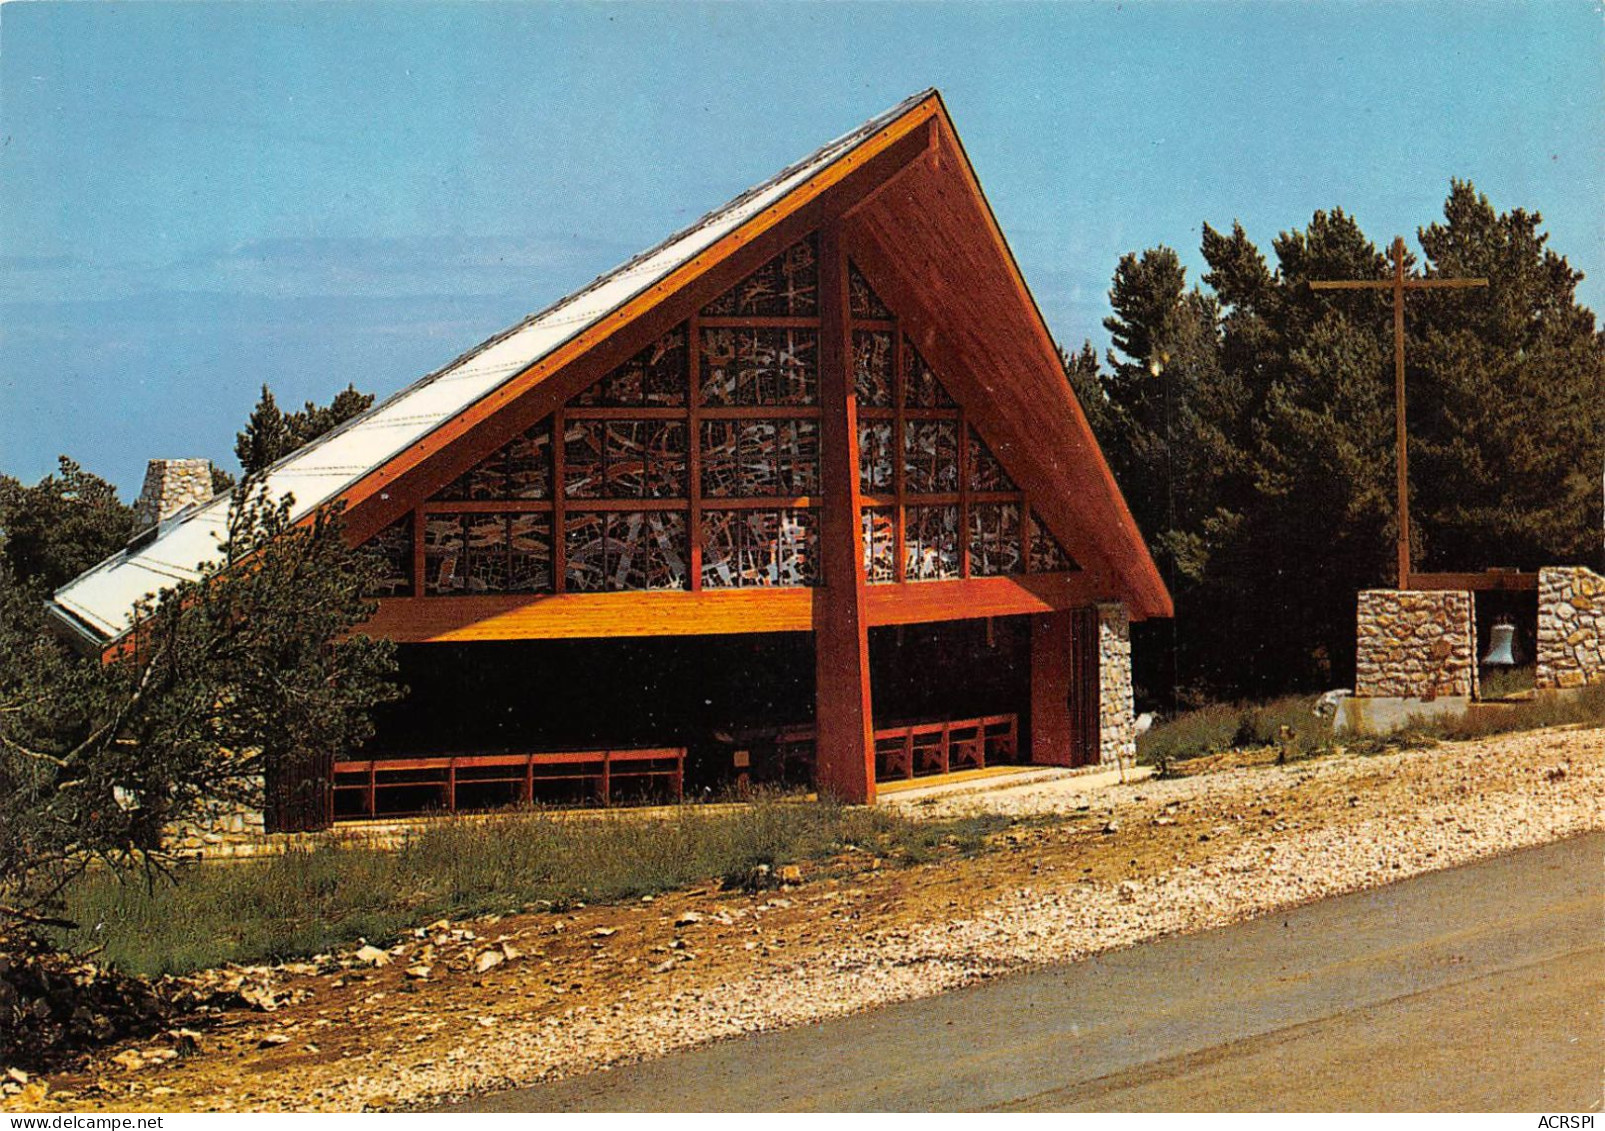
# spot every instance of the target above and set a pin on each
(964, 493)
(559, 502)
(1051, 673)
(693, 487)
(899, 467)
(419, 560)
(844, 745)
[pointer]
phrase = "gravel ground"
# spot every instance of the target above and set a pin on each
(1082, 872)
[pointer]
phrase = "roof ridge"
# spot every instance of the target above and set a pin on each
(832, 150)
(853, 136)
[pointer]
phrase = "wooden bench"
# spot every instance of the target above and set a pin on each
(919, 749)
(375, 783)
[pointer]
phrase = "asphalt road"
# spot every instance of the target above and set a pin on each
(1475, 989)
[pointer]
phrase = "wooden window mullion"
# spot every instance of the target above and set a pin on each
(559, 503)
(964, 493)
(899, 460)
(418, 559)
(694, 453)
(1025, 533)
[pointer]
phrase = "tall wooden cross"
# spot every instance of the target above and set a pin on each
(1398, 285)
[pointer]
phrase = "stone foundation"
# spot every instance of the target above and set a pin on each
(1571, 628)
(221, 829)
(1117, 730)
(1416, 645)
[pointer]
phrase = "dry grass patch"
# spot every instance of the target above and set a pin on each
(308, 901)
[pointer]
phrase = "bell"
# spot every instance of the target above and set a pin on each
(1501, 646)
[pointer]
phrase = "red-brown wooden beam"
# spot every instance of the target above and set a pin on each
(571, 368)
(1052, 729)
(844, 760)
(1510, 580)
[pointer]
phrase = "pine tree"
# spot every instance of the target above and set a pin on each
(53, 531)
(271, 434)
(266, 438)
(1251, 429)
(1507, 412)
(239, 673)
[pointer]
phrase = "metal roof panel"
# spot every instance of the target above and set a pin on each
(104, 597)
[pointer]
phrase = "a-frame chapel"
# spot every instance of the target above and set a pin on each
(801, 493)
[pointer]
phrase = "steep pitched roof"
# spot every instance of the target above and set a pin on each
(98, 603)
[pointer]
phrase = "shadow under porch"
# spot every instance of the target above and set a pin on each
(728, 700)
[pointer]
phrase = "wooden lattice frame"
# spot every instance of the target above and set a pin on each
(628, 402)
(971, 449)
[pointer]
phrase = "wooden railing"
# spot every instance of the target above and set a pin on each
(911, 750)
(398, 787)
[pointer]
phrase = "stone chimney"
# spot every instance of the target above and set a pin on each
(170, 486)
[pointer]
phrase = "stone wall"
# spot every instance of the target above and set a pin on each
(1117, 729)
(1571, 628)
(170, 486)
(1416, 645)
(221, 829)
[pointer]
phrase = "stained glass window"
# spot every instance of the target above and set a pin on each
(863, 302)
(786, 286)
(872, 368)
(745, 367)
(986, 473)
(995, 539)
(617, 550)
(521, 469)
(443, 555)
(760, 458)
(750, 548)
(931, 543)
(876, 462)
(931, 456)
(1047, 556)
(921, 388)
(654, 378)
(487, 553)
(624, 459)
(880, 544)
(391, 550)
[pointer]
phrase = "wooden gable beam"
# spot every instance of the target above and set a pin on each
(388, 491)
(935, 234)
(924, 329)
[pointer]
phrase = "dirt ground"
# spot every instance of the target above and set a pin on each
(500, 1002)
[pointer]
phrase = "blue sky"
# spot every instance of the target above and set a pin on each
(196, 198)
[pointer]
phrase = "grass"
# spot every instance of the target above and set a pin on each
(1498, 683)
(309, 901)
(1291, 724)
(1584, 706)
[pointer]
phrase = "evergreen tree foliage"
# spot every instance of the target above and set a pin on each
(1250, 425)
(266, 437)
(53, 531)
(271, 434)
(249, 670)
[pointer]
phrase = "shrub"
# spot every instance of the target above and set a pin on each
(1289, 722)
